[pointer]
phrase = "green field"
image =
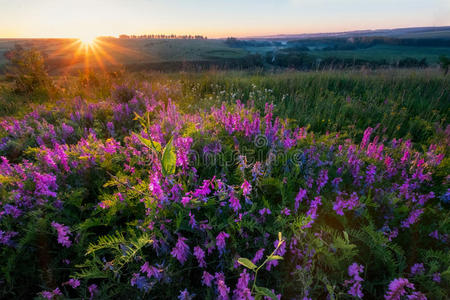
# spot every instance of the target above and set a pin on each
(64, 54)
(389, 53)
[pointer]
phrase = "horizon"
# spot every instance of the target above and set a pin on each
(229, 36)
(75, 19)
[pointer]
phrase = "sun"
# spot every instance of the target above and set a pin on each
(87, 40)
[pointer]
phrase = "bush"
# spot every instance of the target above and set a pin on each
(27, 69)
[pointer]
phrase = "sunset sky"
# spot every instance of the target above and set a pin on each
(64, 18)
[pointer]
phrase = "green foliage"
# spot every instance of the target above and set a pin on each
(27, 69)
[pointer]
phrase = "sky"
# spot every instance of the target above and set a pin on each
(238, 18)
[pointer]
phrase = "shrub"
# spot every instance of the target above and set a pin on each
(27, 70)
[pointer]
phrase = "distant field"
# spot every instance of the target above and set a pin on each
(62, 53)
(389, 53)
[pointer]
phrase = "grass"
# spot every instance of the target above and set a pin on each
(389, 53)
(62, 54)
(405, 104)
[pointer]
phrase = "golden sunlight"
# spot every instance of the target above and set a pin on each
(87, 40)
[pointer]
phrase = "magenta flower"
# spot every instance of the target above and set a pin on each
(63, 234)
(151, 271)
(74, 283)
(397, 288)
(354, 271)
(234, 203)
(242, 291)
(220, 241)
(92, 290)
(301, 194)
(200, 255)
(181, 250)
(258, 255)
(246, 188)
(207, 279)
(52, 294)
(222, 287)
(412, 218)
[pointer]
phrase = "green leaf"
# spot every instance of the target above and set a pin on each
(246, 263)
(346, 236)
(169, 159)
(150, 144)
(275, 257)
(266, 292)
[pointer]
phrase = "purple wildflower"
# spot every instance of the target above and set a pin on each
(92, 290)
(417, 269)
(242, 291)
(397, 288)
(50, 295)
(200, 255)
(63, 234)
(220, 241)
(353, 271)
(412, 218)
(184, 295)
(74, 283)
(140, 282)
(301, 194)
(181, 250)
(207, 279)
(222, 287)
(234, 203)
(151, 271)
(258, 255)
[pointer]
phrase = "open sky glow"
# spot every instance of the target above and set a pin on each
(67, 18)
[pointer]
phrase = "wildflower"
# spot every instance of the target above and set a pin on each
(353, 271)
(92, 290)
(265, 211)
(258, 255)
(246, 188)
(340, 203)
(200, 255)
(181, 250)
(45, 183)
(220, 241)
(74, 283)
(397, 288)
(322, 180)
(412, 218)
(221, 286)
(370, 175)
(286, 211)
(140, 282)
(234, 203)
(281, 251)
(63, 233)
(301, 194)
(50, 295)
(184, 295)
(242, 291)
(207, 279)
(437, 277)
(417, 269)
(151, 271)
(312, 212)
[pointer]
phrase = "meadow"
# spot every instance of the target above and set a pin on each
(226, 185)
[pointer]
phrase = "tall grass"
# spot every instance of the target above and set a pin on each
(412, 104)
(405, 103)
